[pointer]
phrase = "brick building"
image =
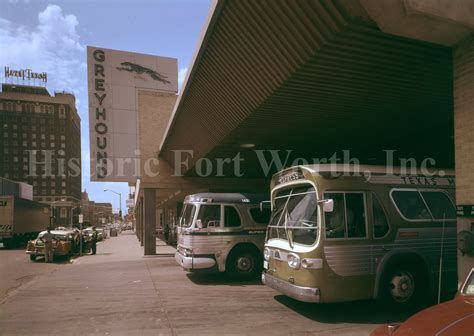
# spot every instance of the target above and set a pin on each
(41, 145)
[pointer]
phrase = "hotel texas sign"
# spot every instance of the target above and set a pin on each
(27, 74)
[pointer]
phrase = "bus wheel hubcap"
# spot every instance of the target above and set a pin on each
(244, 264)
(402, 286)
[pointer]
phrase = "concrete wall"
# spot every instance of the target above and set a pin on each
(464, 137)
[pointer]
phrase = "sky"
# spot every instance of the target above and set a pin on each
(51, 36)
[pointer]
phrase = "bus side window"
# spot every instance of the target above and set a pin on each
(439, 204)
(335, 220)
(410, 204)
(380, 220)
(210, 215)
(231, 217)
(355, 211)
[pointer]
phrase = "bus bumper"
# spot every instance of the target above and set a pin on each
(305, 294)
(194, 263)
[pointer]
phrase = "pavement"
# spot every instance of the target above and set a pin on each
(121, 292)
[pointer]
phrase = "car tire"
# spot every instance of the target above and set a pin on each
(32, 257)
(243, 263)
(404, 287)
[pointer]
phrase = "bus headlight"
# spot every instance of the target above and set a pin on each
(266, 253)
(294, 261)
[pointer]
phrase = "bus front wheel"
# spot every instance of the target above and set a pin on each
(404, 287)
(243, 263)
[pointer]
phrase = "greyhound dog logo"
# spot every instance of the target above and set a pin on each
(132, 67)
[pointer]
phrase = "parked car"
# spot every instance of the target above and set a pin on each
(455, 317)
(101, 234)
(62, 244)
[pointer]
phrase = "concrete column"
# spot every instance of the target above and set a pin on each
(149, 221)
(463, 58)
(138, 217)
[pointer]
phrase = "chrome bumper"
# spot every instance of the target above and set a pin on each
(194, 263)
(305, 294)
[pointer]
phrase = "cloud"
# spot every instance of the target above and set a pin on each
(52, 46)
(181, 76)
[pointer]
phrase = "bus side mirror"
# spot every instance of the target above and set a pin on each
(261, 205)
(328, 205)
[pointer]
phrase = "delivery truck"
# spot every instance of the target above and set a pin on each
(21, 220)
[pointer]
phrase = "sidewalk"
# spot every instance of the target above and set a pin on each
(108, 293)
(121, 292)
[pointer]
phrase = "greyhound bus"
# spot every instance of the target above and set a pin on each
(222, 232)
(339, 235)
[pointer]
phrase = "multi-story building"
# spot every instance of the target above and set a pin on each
(95, 213)
(40, 144)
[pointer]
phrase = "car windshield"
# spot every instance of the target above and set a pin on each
(187, 215)
(295, 216)
(469, 286)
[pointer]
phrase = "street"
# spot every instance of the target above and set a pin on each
(118, 291)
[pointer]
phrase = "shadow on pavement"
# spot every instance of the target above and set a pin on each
(92, 255)
(218, 279)
(369, 311)
(59, 260)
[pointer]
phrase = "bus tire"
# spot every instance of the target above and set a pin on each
(404, 286)
(243, 263)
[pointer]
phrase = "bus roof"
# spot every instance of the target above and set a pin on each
(352, 168)
(246, 198)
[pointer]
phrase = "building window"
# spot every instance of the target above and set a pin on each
(15, 159)
(33, 143)
(63, 213)
(52, 144)
(53, 192)
(43, 137)
(33, 135)
(51, 137)
(63, 184)
(23, 135)
(63, 192)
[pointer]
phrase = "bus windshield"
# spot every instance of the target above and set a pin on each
(187, 215)
(295, 216)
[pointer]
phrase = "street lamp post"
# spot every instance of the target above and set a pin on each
(120, 200)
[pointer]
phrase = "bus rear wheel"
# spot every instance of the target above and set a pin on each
(404, 287)
(243, 263)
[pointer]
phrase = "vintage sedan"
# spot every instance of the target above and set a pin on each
(62, 244)
(455, 317)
